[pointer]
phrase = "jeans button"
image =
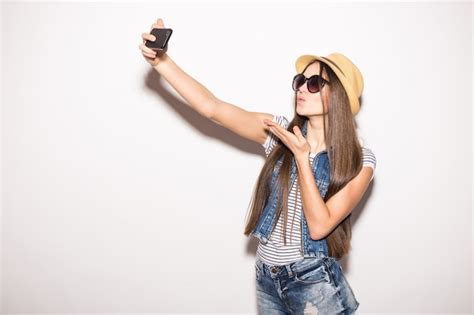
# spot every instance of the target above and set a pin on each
(274, 269)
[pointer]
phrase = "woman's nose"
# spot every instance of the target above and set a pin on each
(303, 88)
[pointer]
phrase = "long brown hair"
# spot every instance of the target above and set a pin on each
(345, 159)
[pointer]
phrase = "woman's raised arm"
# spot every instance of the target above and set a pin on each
(242, 122)
(247, 124)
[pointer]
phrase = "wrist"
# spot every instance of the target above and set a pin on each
(163, 60)
(302, 158)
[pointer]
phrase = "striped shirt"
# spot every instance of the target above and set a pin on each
(274, 252)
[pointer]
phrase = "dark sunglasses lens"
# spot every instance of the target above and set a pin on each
(298, 81)
(313, 84)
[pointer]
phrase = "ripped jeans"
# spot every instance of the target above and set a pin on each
(313, 285)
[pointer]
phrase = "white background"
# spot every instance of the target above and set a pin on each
(118, 197)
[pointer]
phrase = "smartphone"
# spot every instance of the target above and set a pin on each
(162, 36)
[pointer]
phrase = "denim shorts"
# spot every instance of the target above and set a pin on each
(313, 285)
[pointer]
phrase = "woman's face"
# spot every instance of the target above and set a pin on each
(311, 104)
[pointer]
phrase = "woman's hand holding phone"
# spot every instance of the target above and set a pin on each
(152, 52)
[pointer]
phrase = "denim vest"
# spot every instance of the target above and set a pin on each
(321, 172)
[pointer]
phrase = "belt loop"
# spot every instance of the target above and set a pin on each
(289, 270)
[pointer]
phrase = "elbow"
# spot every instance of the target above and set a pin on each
(317, 233)
(209, 113)
(315, 237)
(211, 109)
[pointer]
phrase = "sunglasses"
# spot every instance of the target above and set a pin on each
(315, 82)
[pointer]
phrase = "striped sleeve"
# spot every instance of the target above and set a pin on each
(272, 139)
(369, 159)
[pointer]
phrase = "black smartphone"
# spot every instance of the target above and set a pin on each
(162, 36)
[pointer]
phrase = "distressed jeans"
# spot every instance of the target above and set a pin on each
(313, 285)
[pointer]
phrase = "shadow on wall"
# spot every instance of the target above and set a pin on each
(200, 123)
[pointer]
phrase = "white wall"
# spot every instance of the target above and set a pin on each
(117, 197)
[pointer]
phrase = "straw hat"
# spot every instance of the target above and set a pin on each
(347, 72)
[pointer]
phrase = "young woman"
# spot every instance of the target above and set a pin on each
(315, 173)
